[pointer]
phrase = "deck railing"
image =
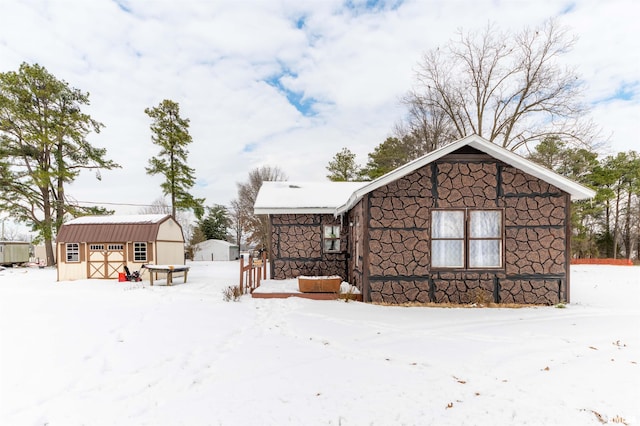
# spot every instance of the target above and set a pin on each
(252, 271)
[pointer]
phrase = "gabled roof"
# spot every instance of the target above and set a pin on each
(339, 197)
(112, 229)
(577, 191)
(118, 219)
(303, 197)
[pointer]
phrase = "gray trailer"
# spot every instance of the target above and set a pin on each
(14, 252)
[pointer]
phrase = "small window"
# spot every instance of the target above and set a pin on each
(115, 247)
(73, 252)
(485, 239)
(331, 239)
(447, 239)
(140, 252)
(96, 247)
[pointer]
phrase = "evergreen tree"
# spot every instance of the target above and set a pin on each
(171, 133)
(389, 155)
(549, 152)
(343, 167)
(215, 225)
(44, 147)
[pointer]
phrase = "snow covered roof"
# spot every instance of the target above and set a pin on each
(118, 219)
(303, 197)
(338, 197)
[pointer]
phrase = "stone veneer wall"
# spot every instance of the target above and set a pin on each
(535, 238)
(296, 241)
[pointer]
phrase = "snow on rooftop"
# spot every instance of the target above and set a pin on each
(304, 196)
(113, 219)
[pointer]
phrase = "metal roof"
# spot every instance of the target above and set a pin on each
(111, 229)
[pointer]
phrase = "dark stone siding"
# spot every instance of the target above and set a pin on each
(534, 240)
(296, 241)
(389, 237)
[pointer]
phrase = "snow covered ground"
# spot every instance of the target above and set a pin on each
(104, 353)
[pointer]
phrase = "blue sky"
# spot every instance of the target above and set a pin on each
(284, 83)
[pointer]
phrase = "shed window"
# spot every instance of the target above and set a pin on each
(331, 239)
(466, 239)
(140, 252)
(72, 252)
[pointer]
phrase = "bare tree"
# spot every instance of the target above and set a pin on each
(237, 223)
(256, 227)
(506, 87)
(427, 125)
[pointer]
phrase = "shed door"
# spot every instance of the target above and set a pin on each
(106, 260)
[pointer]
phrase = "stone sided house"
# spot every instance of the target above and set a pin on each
(470, 221)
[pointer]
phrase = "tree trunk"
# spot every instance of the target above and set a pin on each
(47, 226)
(607, 227)
(627, 227)
(59, 200)
(616, 224)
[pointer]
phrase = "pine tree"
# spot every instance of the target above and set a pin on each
(343, 167)
(171, 133)
(215, 225)
(44, 147)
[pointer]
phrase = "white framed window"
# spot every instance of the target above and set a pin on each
(331, 239)
(466, 239)
(96, 247)
(115, 247)
(72, 252)
(447, 238)
(139, 252)
(485, 239)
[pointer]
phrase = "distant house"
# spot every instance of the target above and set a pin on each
(471, 221)
(100, 246)
(215, 250)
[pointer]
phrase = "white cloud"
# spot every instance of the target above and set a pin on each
(215, 58)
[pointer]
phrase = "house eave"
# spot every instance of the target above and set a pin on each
(293, 210)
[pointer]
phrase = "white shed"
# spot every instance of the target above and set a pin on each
(216, 250)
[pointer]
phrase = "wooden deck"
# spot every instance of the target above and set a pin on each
(312, 296)
(253, 279)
